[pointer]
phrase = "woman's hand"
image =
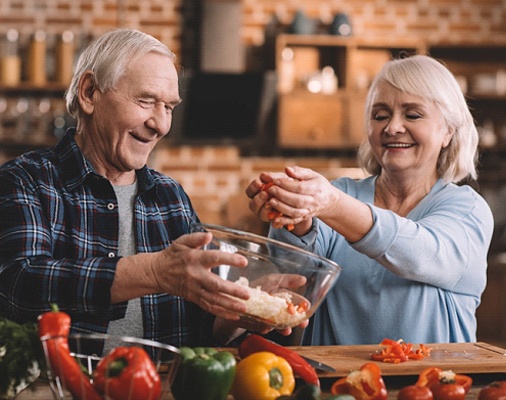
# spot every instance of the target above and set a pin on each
(259, 195)
(299, 195)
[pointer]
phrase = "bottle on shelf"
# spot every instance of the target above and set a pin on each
(36, 66)
(65, 50)
(286, 71)
(10, 61)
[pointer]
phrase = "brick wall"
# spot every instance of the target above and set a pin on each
(215, 177)
(160, 18)
(434, 20)
(449, 20)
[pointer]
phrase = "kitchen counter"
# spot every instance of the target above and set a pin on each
(484, 362)
(40, 390)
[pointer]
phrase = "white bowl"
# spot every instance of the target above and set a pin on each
(286, 283)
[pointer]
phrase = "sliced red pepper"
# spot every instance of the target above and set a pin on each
(54, 329)
(255, 343)
(127, 373)
(434, 376)
(364, 384)
(399, 351)
(273, 214)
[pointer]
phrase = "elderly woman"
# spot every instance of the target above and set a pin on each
(412, 243)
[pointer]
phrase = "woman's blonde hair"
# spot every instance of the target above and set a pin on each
(423, 76)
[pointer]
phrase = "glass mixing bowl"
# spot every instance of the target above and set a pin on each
(286, 284)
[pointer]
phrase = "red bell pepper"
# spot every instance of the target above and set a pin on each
(255, 343)
(54, 328)
(434, 377)
(127, 373)
(364, 384)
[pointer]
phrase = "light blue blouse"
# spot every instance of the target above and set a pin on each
(418, 278)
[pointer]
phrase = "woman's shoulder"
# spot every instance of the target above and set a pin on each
(455, 191)
(459, 197)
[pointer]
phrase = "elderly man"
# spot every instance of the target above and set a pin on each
(88, 226)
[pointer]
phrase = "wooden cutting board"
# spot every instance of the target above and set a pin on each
(470, 358)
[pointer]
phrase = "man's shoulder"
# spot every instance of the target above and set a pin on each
(32, 162)
(162, 179)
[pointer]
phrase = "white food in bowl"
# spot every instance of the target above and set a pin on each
(276, 308)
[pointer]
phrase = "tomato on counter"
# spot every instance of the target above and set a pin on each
(493, 391)
(413, 392)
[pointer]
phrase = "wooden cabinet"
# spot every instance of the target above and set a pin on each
(323, 111)
(312, 121)
(335, 120)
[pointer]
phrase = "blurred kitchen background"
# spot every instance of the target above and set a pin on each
(266, 83)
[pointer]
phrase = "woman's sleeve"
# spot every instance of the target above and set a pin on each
(445, 245)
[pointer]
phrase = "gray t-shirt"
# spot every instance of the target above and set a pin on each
(131, 325)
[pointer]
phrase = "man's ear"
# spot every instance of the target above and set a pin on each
(85, 92)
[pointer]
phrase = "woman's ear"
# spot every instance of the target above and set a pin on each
(85, 92)
(448, 138)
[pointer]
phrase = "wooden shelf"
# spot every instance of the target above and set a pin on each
(306, 121)
(29, 88)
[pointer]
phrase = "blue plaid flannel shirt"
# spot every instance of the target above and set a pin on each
(59, 243)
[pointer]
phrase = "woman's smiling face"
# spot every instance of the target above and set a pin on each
(406, 132)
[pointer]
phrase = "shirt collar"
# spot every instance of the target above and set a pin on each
(76, 168)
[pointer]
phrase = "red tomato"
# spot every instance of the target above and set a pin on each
(494, 391)
(414, 392)
(448, 391)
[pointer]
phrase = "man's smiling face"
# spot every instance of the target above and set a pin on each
(129, 120)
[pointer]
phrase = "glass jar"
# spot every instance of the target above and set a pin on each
(10, 61)
(36, 67)
(65, 49)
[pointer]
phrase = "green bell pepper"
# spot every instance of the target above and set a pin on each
(204, 373)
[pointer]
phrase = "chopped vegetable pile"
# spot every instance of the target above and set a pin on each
(399, 351)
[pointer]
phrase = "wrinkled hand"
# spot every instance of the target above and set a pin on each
(259, 197)
(184, 269)
(300, 194)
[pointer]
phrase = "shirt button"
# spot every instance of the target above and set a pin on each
(111, 255)
(110, 206)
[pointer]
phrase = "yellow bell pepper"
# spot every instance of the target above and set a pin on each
(263, 376)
